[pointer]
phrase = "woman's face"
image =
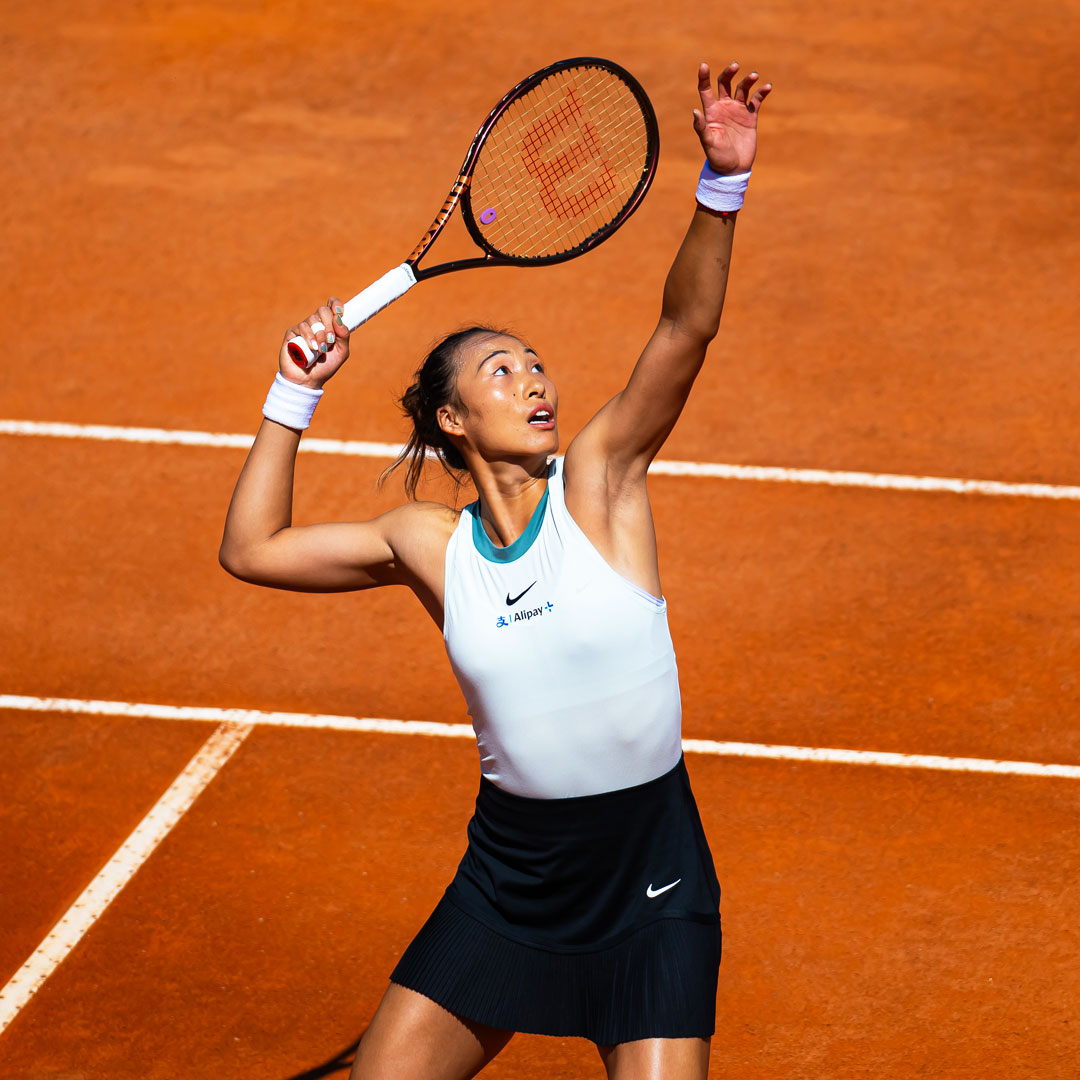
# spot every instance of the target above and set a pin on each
(510, 403)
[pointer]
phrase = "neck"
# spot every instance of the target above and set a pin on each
(509, 493)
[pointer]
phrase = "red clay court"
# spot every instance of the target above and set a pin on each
(226, 811)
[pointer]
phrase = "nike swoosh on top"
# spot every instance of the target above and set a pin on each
(511, 603)
(650, 892)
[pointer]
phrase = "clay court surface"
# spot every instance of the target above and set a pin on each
(181, 182)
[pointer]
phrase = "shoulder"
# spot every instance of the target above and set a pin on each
(417, 534)
(421, 522)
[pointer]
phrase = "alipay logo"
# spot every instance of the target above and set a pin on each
(524, 616)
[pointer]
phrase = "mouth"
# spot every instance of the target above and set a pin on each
(543, 417)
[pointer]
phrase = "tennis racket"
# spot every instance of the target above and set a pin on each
(558, 165)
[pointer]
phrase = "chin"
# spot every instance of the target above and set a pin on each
(541, 443)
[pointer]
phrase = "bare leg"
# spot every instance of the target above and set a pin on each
(412, 1038)
(653, 1059)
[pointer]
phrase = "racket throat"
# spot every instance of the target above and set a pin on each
(443, 216)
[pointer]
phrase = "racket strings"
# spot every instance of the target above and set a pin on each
(590, 158)
(552, 172)
(562, 162)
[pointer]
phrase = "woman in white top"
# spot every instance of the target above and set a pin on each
(586, 903)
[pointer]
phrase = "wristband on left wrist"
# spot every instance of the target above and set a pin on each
(719, 192)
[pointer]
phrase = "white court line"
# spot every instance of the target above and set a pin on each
(120, 869)
(165, 437)
(234, 725)
(758, 473)
(464, 731)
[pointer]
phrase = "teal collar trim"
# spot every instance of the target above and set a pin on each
(482, 542)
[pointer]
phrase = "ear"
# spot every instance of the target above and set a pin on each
(446, 416)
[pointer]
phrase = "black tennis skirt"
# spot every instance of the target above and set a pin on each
(595, 916)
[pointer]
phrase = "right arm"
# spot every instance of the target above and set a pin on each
(262, 546)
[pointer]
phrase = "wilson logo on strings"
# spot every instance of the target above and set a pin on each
(557, 172)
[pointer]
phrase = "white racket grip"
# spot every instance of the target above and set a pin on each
(378, 295)
(364, 304)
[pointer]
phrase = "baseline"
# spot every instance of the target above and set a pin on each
(253, 717)
(758, 473)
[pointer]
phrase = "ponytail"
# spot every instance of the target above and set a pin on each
(435, 386)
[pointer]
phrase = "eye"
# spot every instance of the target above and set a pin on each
(501, 367)
(537, 366)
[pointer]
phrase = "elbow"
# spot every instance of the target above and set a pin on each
(696, 322)
(704, 333)
(233, 562)
(691, 332)
(227, 558)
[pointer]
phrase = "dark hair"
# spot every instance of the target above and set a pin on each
(435, 386)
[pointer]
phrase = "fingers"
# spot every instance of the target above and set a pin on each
(324, 328)
(339, 327)
(755, 102)
(309, 330)
(724, 82)
(742, 91)
(324, 333)
(704, 85)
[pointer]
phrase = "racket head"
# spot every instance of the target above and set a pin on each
(560, 163)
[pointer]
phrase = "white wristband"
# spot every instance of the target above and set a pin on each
(718, 192)
(291, 404)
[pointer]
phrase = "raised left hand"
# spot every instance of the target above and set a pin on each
(726, 123)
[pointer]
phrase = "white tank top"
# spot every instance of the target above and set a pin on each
(567, 668)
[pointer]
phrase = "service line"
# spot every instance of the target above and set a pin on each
(756, 473)
(251, 718)
(121, 868)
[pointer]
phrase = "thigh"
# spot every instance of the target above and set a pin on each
(653, 1059)
(412, 1038)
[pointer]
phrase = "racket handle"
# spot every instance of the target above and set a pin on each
(362, 306)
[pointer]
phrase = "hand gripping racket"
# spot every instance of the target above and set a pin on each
(558, 165)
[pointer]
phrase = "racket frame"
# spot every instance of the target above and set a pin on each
(459, 192)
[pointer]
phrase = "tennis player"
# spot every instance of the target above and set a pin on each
(586, 903)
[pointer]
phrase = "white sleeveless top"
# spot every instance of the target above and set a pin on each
(567, 668)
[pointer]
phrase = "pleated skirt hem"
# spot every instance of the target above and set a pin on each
(657, 982)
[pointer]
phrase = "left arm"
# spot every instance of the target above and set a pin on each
(628, 432)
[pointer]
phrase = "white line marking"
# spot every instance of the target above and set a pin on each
(236, 716)
(234, 725)
(756, 473)
(880, 757)
(120, 869)
(881, 481)
(464, 731)
(164, 437)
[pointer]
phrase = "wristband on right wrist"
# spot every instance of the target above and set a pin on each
(719, 192)
(290, 404)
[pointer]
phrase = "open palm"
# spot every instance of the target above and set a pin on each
(726, 123)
